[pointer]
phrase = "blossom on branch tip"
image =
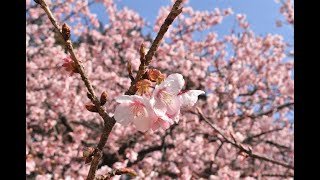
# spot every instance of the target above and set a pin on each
(136, 109)
(163, 107)
(168, 98)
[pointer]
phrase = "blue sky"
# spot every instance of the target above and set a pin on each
(261, 14)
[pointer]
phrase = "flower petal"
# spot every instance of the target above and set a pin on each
(143, 122)
(161, 123)
(124, 99)
(175, 116)
(123, 114)
(173, 83)
(130, 99)
(189, 98)
(174, 106)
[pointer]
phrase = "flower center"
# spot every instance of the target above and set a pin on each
(137, 109)
(165, 97)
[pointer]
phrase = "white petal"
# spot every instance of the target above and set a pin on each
(124, 99)
(164, 117)
(164, 124)
(174, 84)
(190, 97)
(159, 107)
(174, 107)
(123, 114)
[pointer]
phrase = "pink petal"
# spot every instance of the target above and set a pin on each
(123, 114)
(189, 98)
(161, 123)
(143, 122)
(174, 107)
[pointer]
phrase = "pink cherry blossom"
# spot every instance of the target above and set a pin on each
(135, 109)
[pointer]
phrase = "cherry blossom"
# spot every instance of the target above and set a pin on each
(136, 109)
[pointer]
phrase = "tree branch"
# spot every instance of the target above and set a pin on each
(240, 146)
(278, 175)
(175, 11)
(249, 139)
(109, 122)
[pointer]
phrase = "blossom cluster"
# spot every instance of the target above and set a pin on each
(162, 109)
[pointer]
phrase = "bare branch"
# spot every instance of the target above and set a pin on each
(241, 147)
(278, 175)
(248, 139)
(175, 11)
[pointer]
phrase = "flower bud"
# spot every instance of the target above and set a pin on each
(65, 32)
(143, 86)
(155, 75)
(91, 107)
(88, 152)
(103, 98)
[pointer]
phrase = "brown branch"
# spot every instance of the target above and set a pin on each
(249, 139)
(145, 152)
(268, 112)
(220, 146)
(280, 146)
(89, 125)
(175, 11)
(65, 122)
(109, 122)
(278, 175)
(236, 144)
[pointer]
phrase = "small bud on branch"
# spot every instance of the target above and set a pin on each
(155, 75)
(91, 107)
(88, 152)
(103, 98)
(66, 32)
(142, 52)
(129, 69)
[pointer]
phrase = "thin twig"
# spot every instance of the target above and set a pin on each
(250, 138)
(240, 146)
(278, 175)
(108, 121)
(175, 11)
